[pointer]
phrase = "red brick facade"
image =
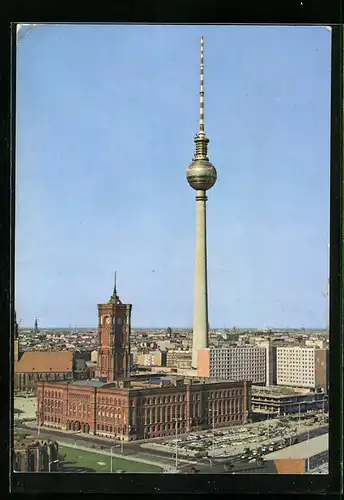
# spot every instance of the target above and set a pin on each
(114, 324)
(142, 412)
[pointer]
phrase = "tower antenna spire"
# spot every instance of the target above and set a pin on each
(201, 93)
(201, 141)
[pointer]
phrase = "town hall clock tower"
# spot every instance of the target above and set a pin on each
(114, 327)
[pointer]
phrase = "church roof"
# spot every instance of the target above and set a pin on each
(45, 362)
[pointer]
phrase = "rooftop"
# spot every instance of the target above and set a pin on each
(45, 362)
(146, 382)
(83, 383)
(306, 449)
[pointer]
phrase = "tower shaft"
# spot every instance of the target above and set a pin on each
(200, 325)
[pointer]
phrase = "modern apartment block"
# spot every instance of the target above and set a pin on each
(175, 357)
(302, 367)
(233, 363)
(152, 358)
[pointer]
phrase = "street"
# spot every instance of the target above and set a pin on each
(95, 443)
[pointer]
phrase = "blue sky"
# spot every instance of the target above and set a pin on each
(106, 117)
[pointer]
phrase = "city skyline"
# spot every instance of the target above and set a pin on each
(104, 134)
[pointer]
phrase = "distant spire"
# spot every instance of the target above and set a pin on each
(15, 325)
(36, 325)
(115, 287)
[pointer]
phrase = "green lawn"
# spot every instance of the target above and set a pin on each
(84, 461)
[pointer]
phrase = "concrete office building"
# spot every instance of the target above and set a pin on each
(233, 363)
(272, 402)
(270, 350)
(302, 367)
(201, 175)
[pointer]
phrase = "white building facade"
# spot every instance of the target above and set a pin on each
(233, 363)
(301, 366)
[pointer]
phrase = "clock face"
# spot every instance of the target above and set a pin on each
(108, 320)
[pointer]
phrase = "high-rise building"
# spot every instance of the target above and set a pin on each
(201, 175)
(233, 363)
(114, 327)
(302, 367)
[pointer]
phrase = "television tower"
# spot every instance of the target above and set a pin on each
(201, 175)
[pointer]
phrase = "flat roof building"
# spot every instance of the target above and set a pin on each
(142, 407)
(302, 367)
(233, 363)
(303, 457)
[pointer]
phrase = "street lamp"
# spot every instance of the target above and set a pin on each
(111, 458)
(323, 408)
(299, 415)
(212, 413)
(176, 420)
(52, 462)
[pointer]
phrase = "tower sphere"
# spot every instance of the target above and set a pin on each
(201, 174)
